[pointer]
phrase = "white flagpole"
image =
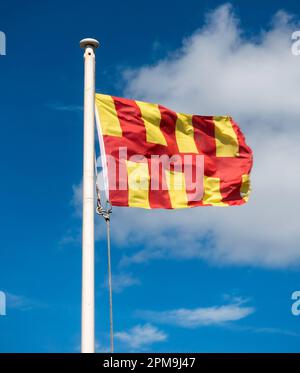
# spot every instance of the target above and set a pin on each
(88, 280)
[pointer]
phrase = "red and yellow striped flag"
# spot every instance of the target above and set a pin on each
(156, 158)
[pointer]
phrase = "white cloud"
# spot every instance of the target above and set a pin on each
(122, 281)
(141, 336)
(193, 318)
(22, 302)
(217, 71)
(62, 107)
(261, 330)
(77, 199)
(286, 332)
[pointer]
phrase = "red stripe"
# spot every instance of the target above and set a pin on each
(244, 150)
(168, 128)
(204, 134)
(134, 132)
(158, 198)
(230, 171)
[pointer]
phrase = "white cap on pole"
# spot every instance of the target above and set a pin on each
(89, 42)
(88, 260)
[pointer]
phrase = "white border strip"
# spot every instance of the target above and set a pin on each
(103, 154)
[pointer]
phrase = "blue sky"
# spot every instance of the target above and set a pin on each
(199, 281)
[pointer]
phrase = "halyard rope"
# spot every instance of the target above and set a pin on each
(105, 212)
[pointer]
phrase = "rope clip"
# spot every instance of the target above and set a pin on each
(105, 212)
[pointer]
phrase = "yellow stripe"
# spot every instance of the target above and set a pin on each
(109, 120)
(212, 194)
(245, 187)
(138, 184)
(185, 134)
(177, 189)
(152, 117)
(227, 144)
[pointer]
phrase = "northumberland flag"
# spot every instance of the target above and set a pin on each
(154, 157)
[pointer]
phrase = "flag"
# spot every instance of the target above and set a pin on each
(153, 157)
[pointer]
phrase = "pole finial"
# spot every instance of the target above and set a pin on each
(89, 42)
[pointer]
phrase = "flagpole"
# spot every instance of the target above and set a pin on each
(88, 280)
